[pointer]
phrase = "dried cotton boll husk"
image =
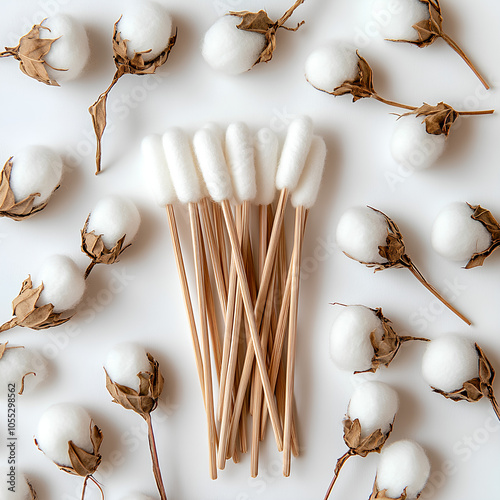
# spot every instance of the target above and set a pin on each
(69, 54)
(456, 235)
(147, 27)
(240, 160)
(124, 362)
(331, 65)
(266, 148)
(400, 20)
(449, 361)
(59, 424)
(231, 50)
(402, 471)
(23, 489)
(63, 283)
(156, 172)
(375, 405)
(350, 345)
(412, 146)
(23, 367)
(35, 169)
(360, 232)
(113, 218)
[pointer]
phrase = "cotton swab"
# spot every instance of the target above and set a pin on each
(214, 171)
(158, 176)
(188, 188)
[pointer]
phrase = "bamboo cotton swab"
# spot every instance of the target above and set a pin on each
(188, 188)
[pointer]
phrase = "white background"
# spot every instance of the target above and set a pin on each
(462, 440)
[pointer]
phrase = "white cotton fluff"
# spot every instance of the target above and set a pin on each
(395, 18)
(449, 361)
(156, 172)
(217, 130)
(17, 363)
(35, 169)
(456, 235)
(137, 496)
(181, 164)
(331, 65)
(147, 26)
(240, 160)
(59, 424)
(63, 283)
(412, 147)
(403, 464)
(70, 52)
(113, 218)
(375, 405)
(213, 166)
(294, 153)
(307, 189)
(266, 149)
(22, 489)
(350, 345)
(361, 230)
(231, 50)
(124, 362)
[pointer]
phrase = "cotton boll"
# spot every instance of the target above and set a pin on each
(146, 26)
(63, 283)
(403, 464)
(231, 50)
(16, 364)
(114, 217)
(330, 66)
(456, 235)
(70, 52)
(35, 169)
(266, 147)
(375, 405)
(307, 189)
(124, 362)
(449, 361)
(156, 172)
(361, 230)
(350, 345)
(399, 18)
(212, 163)
(22, 489)
(294, 153)
(412, 147)
(240, 159)
(59, 424)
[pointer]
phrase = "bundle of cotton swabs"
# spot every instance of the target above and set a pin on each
(225, 179)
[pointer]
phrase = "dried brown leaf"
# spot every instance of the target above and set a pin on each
(382, 494)
(27, 314)
(30, 53)
(490, 223)
(145, 400)
(8, 205)
(257, 22)
(438, 119)
(359, 445)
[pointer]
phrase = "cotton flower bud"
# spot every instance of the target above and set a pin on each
(375, 405)
(28, 180)
(147, 27)
(412, 146)
(65, 430)
(402, 472)
(16, 486)
(22, 367)
(360, 233)
(69, 54)
(457, 236)
(400, 21)
(329, 66)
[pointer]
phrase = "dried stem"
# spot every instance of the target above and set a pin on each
(7, 326)
(494, 403)
(393, 103)
(340, 463)
(408, 338)
(154, 459)
(286, 16)
(89, 269)
(462, 54)
(474, 113)
(92, 478)
(84, 486)
(431, 289)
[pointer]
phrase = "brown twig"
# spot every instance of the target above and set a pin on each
(494, 404)
(340, 463)
(154, 459)
(89, 269)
